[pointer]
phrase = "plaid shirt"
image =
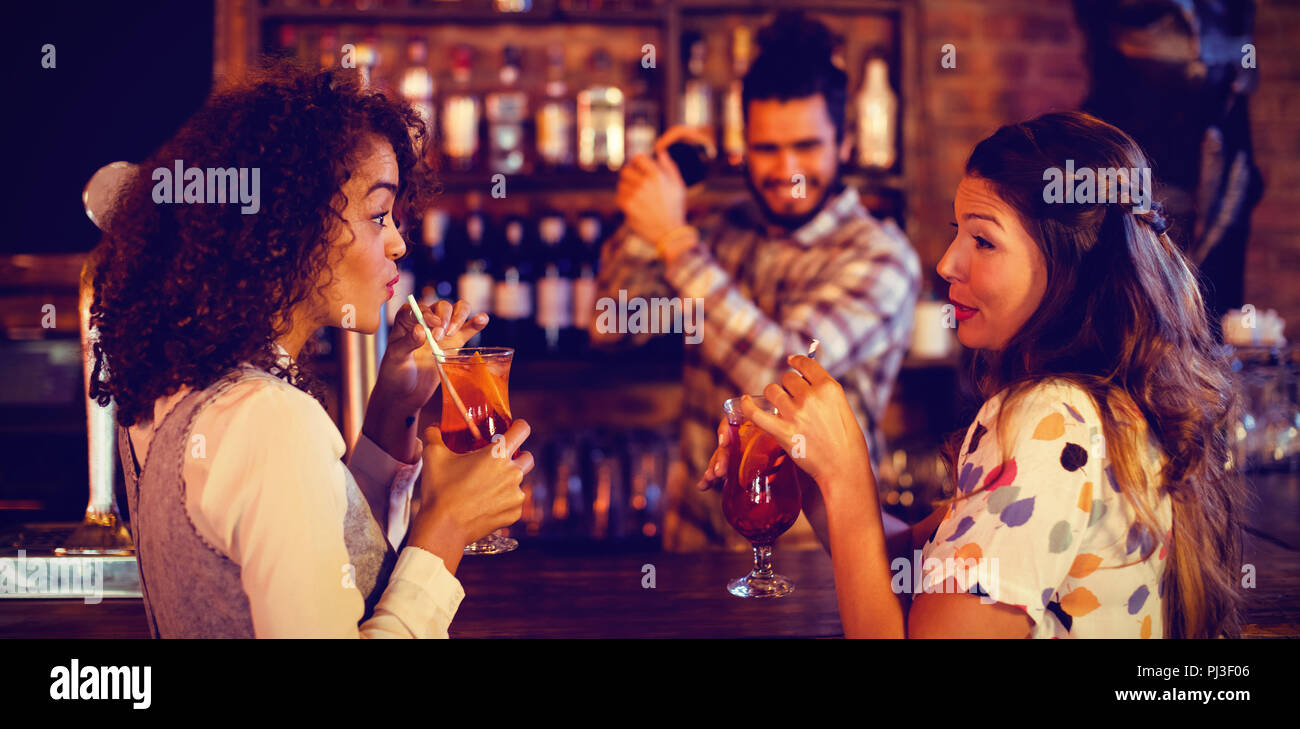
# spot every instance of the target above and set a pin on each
(843, 278)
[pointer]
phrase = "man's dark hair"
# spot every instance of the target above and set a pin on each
(794, 62)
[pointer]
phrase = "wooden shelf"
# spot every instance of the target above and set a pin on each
(724, 181)
(671, 18)
(535, 181)
(470, 12)
(454, 15)
(759, 7)
(242, 25)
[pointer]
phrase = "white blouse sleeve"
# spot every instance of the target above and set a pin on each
(275, 494)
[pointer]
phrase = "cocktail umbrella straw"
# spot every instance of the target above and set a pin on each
(438, 359)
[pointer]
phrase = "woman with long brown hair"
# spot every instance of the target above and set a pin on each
(1093, 494)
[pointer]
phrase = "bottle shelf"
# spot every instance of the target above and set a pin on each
(459, 14)
(868, 26)
(728, 181)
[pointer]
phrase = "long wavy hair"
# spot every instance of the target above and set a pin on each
(184, 293)
(1123, 318)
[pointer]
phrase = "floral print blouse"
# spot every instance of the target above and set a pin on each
(1047, 529)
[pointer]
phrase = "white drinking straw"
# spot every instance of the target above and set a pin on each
(438, 358)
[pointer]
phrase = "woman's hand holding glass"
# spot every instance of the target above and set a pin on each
(467, 496)
(816, 427)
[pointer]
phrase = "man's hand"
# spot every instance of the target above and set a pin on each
(652, 196)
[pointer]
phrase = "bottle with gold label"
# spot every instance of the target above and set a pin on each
(461, 111)
(600, 118)
(733, 123)
(555, 116)
(877, 110)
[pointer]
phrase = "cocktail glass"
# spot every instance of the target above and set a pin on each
(480, 376)
(760, 498)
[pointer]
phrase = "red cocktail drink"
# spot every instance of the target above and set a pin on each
(480, 377)
(761, 498)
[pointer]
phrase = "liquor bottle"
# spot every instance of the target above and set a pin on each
(697, 100)
(288, 38)
(512, 295)
(555, 117)
(474, 284)
(329, 48)
(607, 494)
(507, 112)
(733, 124)
(567, 502)
(877, 109)
(460, 114)
(555, 285)
(366, 56)
(648, 464)
(590, 236)
(513, 6)
(600, 118)
(417, 84)
(436, 266)
(642, 112)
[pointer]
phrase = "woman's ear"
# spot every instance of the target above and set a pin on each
(846, 145)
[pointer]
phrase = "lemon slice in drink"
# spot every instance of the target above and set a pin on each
(761, 458)
(480, 373)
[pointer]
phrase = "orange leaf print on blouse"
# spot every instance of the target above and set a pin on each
(1080, 602)
(1084, 565)
(1146, 628)
(1085, 497)
(969, 551)
(1050, 427)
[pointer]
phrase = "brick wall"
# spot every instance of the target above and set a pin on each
(1273, 253)
(1020, 58)
(1015, 59)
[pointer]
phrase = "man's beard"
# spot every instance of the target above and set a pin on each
(792, 222)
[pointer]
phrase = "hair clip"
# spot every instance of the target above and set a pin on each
(1154, 218)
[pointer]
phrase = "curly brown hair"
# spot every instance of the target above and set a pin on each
(185, 293)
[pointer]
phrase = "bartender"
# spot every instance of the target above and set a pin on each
(800, 259)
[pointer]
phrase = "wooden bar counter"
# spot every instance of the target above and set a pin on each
(599, 592)
(537, 593)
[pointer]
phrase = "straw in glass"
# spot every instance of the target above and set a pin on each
(438, 358)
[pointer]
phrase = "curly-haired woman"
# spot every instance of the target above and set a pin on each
(246, 521)
(1091, 492)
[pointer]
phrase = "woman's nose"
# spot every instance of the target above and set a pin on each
(949, 268)
(395, 243)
